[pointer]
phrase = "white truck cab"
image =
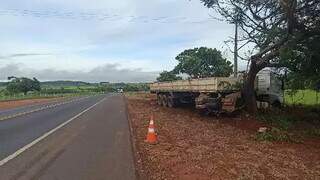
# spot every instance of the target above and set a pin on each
(269, 87)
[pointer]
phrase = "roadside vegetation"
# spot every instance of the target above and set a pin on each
(296, 121)
(291, 125)
(283, 34)
(198, 63)
(307, 97)
(18, 88)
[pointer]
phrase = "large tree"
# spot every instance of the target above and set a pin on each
(24, 85)
(168, 76)
(203, 62)
(280, 31)
(302, 61)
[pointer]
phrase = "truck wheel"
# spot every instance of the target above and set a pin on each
(165, 100)
(204, 112)
(276, 104)
(171, 102)
(159, 99)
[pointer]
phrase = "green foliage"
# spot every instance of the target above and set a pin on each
(292, 123)
(78, 89)
(109, 88)
(168, 76)
(281, 124)
(281, 121)
(22, 85)
(284, 33)
(315, 132)
(14, 90)
(302, 97)
(294, 25)
(131, 87)
(301, 56)
(97, 88)
(274, 134)
(302, 61)
(203, 62)
(71, 88)
(52, 91)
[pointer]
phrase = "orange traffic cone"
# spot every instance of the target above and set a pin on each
(151, 136)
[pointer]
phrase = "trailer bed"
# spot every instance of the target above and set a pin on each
(212, 84)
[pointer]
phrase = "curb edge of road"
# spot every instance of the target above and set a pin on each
(136, 155)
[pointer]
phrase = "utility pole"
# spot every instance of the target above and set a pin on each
(235, 64)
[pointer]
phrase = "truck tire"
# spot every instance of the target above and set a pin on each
(159, 100)
(171, 102)
(165, 100)
(276, 104)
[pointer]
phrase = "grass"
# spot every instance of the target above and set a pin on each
(302, 97)
(281, 121)
(274, 134)
(280, 125)
(291, 124)
(314, 132)
(50, 92)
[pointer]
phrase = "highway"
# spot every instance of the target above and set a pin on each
(78, 138)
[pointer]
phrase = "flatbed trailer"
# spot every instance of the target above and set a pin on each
(203, 85)
(216, 94)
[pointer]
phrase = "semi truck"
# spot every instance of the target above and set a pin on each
(218, 94)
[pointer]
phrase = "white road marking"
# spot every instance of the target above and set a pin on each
(26, 147)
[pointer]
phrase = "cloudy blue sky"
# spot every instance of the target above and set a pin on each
(102, 40)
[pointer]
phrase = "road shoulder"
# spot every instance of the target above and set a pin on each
(191, 146)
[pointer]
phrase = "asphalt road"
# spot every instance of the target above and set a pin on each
(83, 138)
(28, 108)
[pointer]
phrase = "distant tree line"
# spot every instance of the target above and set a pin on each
(136, 87)
(23, 85)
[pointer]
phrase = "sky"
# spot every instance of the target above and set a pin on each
(103, 40)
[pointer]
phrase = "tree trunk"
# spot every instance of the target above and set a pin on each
(248, 90)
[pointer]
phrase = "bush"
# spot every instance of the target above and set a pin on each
(313, 132)
(281, 121)
(274, 134)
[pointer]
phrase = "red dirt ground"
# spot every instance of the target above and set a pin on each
(18, 103)
(195, 147)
